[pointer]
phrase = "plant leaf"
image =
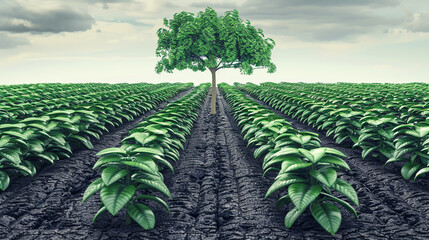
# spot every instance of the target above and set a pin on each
(116, 196)
(327, 215)
(142, 214)
(302, 194)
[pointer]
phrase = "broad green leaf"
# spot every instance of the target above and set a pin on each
(11, 155)
(142, 214)
(420, 172)
(147, 150)
(318, 153)
(345, 204)
(82, 141)
(346, 189)
(112, 174)
(334, 160)
(93, 188)
(327, 215)
(4, 180)
(116, 196)
(409, 169)
(281, 183)
(107, 159)
(262, 150)
(335, 152)
(367, 151)
(111, 150)
(141, 165)
(157, 185)
(326, 176)
(292, 215)
(302, 194)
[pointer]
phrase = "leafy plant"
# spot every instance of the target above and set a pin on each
(130, 173)
(307, 171)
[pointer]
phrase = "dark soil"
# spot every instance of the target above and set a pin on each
(218, 193)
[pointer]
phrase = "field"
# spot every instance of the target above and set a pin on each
(353, 148)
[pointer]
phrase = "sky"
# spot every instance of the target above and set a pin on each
(114, 41)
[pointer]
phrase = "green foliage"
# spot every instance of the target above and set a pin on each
(130, 173)
(386, 121)
(30, 139)
(208, 41)
(305, 169)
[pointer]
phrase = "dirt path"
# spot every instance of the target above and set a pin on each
(390, 207)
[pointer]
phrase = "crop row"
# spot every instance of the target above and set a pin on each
(131, 173)
(306, 172)
(392, 124)
(32, 142)
(30, 105)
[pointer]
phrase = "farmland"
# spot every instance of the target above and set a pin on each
(150, 161)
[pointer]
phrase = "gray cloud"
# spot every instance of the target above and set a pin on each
(7, 42)
(418, 22)
(17, 19)
(316, 20)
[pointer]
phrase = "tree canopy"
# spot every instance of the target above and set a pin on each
(209, 41)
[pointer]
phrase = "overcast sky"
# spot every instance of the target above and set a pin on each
(115, 40)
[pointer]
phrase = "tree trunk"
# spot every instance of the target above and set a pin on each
(213, 103)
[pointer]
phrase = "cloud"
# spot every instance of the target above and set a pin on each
(418, 22)
(315, 20)
(7, 42)
(15, 18)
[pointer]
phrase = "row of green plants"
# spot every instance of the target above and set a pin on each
(393, 128)
(306, 172)
(132, 173)
(30, 105)
(33, 142)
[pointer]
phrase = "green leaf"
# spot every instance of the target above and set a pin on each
(420, 172)
(326, 176)
(318, 153)
(280, 183)
(292, 215)
(142, 166)
(261, 150)
(11, 155)
(367, 151)
(93, 188)
(116, 196)
(147, 150)
(102, 210)
(156, 199)
(108, 159)
(4, 180)
(409, 169)
(302, 194)
(327, 215)
(157, 185)
(345, 204)
(346, 189)
(111, 150)
(81, 140)
(334, 160)
(142, 214)
(112, 174)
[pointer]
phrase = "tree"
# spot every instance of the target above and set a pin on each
(207, 41)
